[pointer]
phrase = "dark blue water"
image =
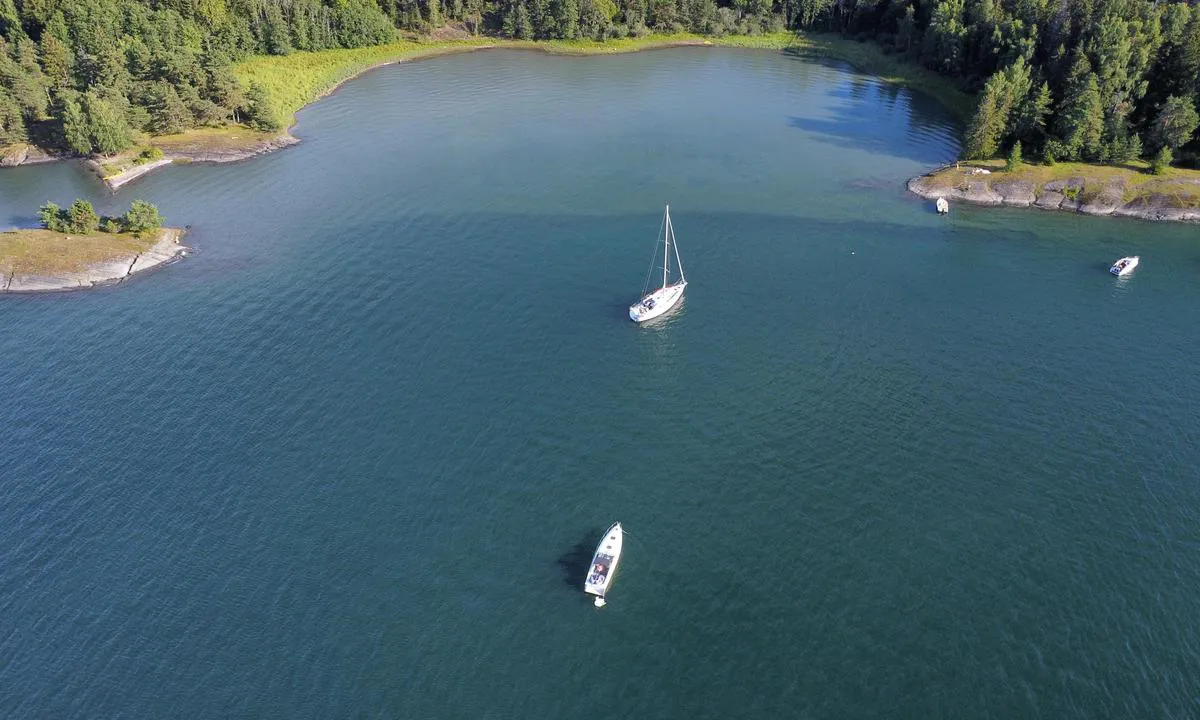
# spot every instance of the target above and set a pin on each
(350, 458)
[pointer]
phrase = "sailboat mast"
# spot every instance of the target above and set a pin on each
(667, 247)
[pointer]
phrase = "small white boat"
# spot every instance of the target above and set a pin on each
(943, 207)
(664, 298)
(604, 564)
(1124, 266)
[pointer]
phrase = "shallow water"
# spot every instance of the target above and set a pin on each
(350, 457)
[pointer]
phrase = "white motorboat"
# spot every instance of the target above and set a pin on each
(943, 207)
(1124, 266)
(604, 564)
(664, 298)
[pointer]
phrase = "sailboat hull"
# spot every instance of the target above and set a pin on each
(657, 302)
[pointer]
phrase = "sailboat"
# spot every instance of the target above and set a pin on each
(664, 298)
(604, 563)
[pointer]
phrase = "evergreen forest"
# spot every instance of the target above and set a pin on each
(1103, 81)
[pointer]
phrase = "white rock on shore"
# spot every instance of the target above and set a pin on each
(109, 272)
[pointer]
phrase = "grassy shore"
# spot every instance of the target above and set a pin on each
(43, 252)
(295, 80)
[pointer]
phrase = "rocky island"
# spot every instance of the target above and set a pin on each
(76, 249)
(1123, 191)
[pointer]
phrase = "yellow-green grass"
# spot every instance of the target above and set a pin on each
(292, 81)
(1178, 187)
(211, 139)
(139, 154)
(42, 252)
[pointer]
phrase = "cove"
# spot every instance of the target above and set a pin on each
(341, 460)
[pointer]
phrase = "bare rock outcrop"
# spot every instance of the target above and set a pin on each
(1104, 196)
(24, 154)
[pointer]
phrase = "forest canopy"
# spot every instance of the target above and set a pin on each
(1095, 80)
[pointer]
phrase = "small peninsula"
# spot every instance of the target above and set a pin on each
(77, 249)
(1120, 191)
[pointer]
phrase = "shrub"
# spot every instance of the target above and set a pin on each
(1162, 161)
(148, 154)
(142, 217)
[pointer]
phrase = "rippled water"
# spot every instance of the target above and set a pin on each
(349, 459)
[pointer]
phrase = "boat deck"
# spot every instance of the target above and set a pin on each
(598, 578)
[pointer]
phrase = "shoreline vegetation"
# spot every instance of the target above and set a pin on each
(290, 82)
(1129, 190)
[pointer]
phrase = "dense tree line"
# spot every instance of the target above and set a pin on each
(1098, 80)
(81, 219)
(87, 74)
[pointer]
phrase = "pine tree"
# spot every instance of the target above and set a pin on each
(987, 127)
(523, 25)
(944, 37)
(56, 60)
(1174, 124)
(76, 134)
(51, 216)
(258, 112)
(81, 218)
(1079, 124)
(1162, 161)
(1029, 118)
(1014, 157)
(12, 123)
(168, 114)
(107, 126)
(141, 218)
(906, 31)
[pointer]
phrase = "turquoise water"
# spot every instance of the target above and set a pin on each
(350, 458)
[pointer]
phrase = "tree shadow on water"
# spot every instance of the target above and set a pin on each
(881, 118)
(574, 563)
(23, 222)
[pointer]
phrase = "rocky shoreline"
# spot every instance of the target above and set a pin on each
(25, 154)
(210, 155)
(166, 249)
(1105, 196)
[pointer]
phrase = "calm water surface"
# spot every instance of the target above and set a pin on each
(349, 459)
